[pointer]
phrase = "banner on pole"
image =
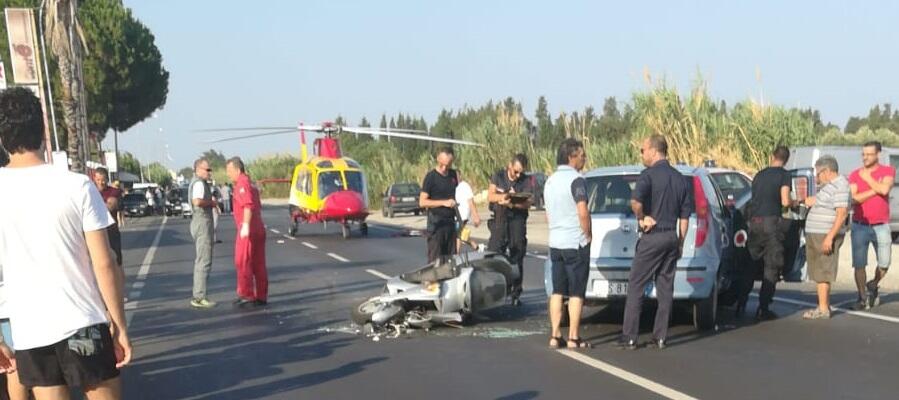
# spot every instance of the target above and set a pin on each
(20, 27)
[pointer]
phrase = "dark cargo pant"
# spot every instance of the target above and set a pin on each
(655, 260)
(766, 242)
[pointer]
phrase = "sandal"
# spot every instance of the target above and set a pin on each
(579, 344)
(559, 342)
(816, 313)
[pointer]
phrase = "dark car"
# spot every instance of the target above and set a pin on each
(174, 203)
(536, 180)
(135, 204)
(401, 197)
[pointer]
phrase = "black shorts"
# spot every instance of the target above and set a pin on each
(84, 360)
(570, 269)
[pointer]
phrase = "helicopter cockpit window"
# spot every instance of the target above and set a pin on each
(325, 164)
(354, 181)
(329, 182)
(301, 185)
(352, 164)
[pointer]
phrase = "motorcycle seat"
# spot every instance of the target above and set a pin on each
(497, 264)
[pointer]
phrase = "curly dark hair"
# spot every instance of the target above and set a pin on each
(21, 120)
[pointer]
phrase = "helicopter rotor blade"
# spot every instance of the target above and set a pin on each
(410, 136)
(254, 128)
(255, 135)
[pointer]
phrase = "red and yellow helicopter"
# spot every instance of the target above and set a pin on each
(329, 187)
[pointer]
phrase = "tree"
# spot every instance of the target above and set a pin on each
(186, 172)
(128, 163)
(158, 174)
(546, 135)
(215, 159)
(364, 123)
(123, 71)
(383, 124)
(66, 40)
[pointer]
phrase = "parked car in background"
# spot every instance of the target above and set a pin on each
(703, 273)
(174, 204)
(536, 181)
(850, 158)
(401, 197)
(135, 204)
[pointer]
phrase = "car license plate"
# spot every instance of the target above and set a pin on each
(408, 199)
(609, 288)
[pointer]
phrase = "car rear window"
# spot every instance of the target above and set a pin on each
(732, 183)
(406, 189)
(612, 194)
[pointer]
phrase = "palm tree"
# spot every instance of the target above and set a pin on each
(67, 44)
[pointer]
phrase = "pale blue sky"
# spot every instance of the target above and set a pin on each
(240, 63)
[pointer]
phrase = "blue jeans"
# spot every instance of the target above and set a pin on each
(877, 235)
(7, 332)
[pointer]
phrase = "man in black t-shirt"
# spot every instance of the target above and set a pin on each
(438, 193)
(508, 225)
(767, 227)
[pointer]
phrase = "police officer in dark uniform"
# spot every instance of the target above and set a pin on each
(508, 225)
(661, 203)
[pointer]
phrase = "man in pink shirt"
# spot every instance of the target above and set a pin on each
(870, 186)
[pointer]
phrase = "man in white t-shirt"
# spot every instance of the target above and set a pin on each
(468, 213)
(64, 289)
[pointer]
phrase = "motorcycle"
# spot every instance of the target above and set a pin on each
(446, 292)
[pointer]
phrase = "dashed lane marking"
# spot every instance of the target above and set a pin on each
(338, 258)
(310, 245)
(134, 295)
(275, 231)
(638, 380)
(377, 273)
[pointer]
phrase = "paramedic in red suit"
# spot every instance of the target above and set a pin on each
(249, 248)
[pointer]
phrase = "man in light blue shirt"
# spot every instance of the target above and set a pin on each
(565, 195)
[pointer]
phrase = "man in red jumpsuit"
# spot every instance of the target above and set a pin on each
(249, 248)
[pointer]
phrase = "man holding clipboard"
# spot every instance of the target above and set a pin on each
(510, 198)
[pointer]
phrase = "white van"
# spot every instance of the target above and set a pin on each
(850, 158)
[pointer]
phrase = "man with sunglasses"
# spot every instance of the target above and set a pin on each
(202, 230)
(508, 226)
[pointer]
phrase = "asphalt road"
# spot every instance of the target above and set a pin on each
(302, 345)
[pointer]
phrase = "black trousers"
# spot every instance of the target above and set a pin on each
(766, 242)
(441, 242)
(655, 260)
(509, 234)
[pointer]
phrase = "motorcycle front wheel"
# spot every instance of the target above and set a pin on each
(362, 313)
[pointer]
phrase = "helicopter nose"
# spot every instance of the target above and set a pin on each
(344, 203)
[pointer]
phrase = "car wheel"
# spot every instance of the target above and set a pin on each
(363, 228)
(389, 213)
(895, 236)
(417, 212)
(705, 311)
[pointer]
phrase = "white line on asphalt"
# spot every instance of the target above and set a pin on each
(142, 273)
(638, 380)
(275, 231)
(310, 245)
(337, 257)
(540, 256)
(289, 237)
(377, 273)
(862, 314)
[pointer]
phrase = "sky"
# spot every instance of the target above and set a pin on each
(279, 62)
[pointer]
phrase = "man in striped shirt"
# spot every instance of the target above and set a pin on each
(825, 227)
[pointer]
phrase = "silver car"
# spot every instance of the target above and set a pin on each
(615, 236)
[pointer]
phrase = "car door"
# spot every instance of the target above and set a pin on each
(803, 186)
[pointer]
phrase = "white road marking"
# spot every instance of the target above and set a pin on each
(540, 256)
(638, 380)
(275, 231)
(142, 273)
(310, 245)
(289, 237)
(337, 257)
(862, 314)
(377, 273)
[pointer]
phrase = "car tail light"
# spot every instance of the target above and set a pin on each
(393, 199)
(702, 212)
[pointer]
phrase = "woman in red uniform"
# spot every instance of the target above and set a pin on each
(249, 248)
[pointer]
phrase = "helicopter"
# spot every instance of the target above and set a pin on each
(328, 187)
